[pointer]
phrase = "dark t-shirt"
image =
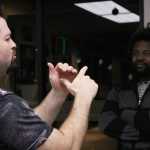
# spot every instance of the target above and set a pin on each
(20, 128)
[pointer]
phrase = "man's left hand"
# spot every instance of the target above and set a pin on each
(61, 71)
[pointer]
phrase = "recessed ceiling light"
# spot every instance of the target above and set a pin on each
(104, 9)
(123, 18)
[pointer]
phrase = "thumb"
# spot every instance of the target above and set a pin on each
(68, 85)
(65, 82)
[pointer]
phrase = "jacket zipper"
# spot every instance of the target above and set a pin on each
(139, 103)
(141, 100)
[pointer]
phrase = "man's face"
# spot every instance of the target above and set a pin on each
(7, 48)
(141, 58)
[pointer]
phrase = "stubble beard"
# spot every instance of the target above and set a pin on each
(12, 67)
(144, 72)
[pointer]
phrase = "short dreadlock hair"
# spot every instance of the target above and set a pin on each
(142, 34)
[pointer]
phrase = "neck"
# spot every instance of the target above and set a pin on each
(145, 79)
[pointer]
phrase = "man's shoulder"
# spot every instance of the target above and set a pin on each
(4, 92)
(125, 85)
(11, 96)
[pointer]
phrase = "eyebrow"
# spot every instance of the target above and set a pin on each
(8, 34)
(143, 50)
(147, 50)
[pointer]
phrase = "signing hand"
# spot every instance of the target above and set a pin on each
(82, 85)
(61, 71)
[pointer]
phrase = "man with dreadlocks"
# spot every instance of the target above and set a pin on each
(126, 113)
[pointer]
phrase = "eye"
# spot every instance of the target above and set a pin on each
(8, 39)
(135, 54)
(147, 53)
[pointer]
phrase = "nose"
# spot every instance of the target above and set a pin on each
(140, 56)
(13, 45)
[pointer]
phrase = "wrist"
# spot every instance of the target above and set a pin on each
(61, 93)
(83, 99)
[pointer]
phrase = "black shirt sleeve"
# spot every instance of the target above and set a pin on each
(19, 126)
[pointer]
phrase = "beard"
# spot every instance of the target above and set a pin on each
(142, 72)
(12, 67)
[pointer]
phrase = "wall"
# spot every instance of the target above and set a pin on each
(146, 12)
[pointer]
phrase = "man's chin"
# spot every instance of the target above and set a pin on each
(140, 70)
(143, 73)
(11, 68)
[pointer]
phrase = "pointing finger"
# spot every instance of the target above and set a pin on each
(83, 71)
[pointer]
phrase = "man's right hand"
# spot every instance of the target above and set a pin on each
(82, 85)
(71, 134)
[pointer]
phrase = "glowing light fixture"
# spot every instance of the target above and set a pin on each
(100, 61)
(110, 67)
(78, 60)
(104, 9)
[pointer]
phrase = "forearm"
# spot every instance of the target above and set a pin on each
(71, 134)
(50, 106)
(111, 125)
(140, 120)
(77, 122)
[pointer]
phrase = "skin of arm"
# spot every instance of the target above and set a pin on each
(71, 134)
(51, 105)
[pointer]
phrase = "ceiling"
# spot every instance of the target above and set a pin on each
(64, 16)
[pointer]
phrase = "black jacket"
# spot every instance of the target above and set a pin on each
(122, 118)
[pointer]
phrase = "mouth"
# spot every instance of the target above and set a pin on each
(14, 54)
(140, 65)
(14, 57)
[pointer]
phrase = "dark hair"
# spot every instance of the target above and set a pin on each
(2, 14)
(140, 35)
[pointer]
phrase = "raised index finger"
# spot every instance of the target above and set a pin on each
(83, 71)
